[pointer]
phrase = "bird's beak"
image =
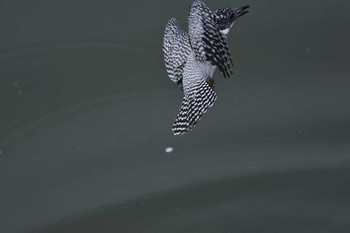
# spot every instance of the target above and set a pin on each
(241, 11)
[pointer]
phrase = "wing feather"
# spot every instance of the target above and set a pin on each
(176, 48)
(206, 39)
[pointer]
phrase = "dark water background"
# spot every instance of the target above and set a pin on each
(86, 113)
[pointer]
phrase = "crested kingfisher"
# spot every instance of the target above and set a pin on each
(191, 58)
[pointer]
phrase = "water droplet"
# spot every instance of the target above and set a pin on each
(169, 149)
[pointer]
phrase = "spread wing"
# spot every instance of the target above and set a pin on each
(176, 48)
(206, 39)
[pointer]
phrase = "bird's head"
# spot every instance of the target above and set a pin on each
(225, 17)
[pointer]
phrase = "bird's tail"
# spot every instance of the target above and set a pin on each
(194, 104)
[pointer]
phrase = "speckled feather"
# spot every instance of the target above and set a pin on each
(193, 107)
(176, 48)
(206, 39)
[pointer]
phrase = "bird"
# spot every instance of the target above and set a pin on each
(191, 58)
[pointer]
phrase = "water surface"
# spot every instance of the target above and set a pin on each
(87, 109)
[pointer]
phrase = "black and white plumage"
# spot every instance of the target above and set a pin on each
(191, 58)
(176, 49)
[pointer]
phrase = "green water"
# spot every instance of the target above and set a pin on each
(87, 108)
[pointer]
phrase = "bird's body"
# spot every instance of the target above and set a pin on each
(191, 58)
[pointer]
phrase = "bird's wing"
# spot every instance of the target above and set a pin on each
(206, 39)
(176, 48)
